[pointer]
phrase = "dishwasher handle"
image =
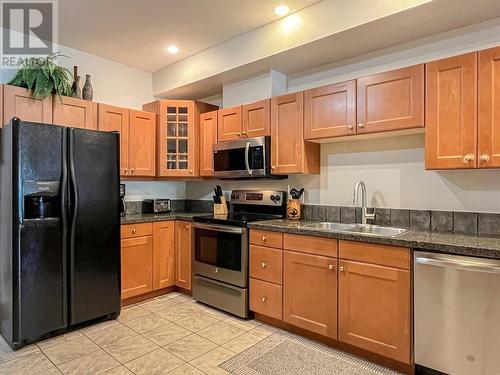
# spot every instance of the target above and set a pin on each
(457, 264)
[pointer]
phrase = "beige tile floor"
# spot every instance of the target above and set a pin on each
(171, 334)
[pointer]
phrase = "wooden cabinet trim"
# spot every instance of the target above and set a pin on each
(391, 256)
(310, 245)
(330, 111)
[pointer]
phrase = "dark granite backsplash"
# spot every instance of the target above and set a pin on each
(177, 205)
(437, 221)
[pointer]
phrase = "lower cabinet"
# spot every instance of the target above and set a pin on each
(137, 266)
(266, 298)
(183, 249)
(310, 292)
(163, 255)
(374, 308)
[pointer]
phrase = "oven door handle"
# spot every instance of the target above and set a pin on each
(247, 157)
(220, 228)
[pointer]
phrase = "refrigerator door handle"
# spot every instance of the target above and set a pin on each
(74, 204)
(64, 222)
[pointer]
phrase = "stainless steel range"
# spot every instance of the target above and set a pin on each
(220, 257)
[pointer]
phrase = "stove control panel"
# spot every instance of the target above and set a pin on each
(259, 197)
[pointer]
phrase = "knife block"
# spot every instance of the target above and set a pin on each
(221, 208)
(293, 209)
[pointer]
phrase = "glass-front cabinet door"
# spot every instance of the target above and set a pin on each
(177, 138)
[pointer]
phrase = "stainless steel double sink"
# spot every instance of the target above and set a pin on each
(368, 229)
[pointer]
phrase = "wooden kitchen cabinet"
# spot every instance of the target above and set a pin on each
(375, 298)
(111, 118)
(19, 102)
(310, 292)
(208, 136)
(489, 102)
(451, 113)
(177, 136)
(73, 112)
(290, 154)
(391, 100)
(142, 141)
(229, 125)
(183, 253)
(163, 255)
(137, 266)
(330, 111)
(256, 119)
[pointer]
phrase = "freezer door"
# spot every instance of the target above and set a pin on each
(94, 256)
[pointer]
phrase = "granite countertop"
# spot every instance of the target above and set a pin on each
(148, 218)
(479, 246)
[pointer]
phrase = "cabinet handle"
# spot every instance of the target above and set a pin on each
(134, 231)
(350, 127)
(341, 268)
(264, 299)
(264, 265)
(330, 266)
(485, 157)
(468, 158)
(361, 125)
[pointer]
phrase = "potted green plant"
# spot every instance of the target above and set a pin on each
(44, 77)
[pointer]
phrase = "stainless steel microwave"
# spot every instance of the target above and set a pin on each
(246, 158)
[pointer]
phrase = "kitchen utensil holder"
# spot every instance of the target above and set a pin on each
(293, 209)
(221, 208)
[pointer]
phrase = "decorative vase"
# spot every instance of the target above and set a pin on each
(76, 83)
(88, 91)
(293, 209)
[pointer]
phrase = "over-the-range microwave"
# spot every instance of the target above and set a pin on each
(245, 158)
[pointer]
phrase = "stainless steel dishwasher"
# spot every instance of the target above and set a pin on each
(457, 313)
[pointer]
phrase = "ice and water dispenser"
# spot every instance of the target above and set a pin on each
(41, 200)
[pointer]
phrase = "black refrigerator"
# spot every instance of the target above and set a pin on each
(59, 229)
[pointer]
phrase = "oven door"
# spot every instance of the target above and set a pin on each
(245, 158)
(221, 253)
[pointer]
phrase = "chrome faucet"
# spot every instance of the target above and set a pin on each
(364, 210)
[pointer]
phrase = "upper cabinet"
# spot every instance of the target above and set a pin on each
(142, 141)
(137, 138)
(77, 113)
(177, 136)
(391, 101)
(208, 136)
(245, 121)
(330, 111)
(256, 119)
(229, 124)
(289, 152)
(489, 105)
(451, 112)
(19, 102)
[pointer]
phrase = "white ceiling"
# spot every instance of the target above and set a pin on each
(136, 32)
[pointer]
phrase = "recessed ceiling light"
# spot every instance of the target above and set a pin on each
(281, 10)
(172, 49)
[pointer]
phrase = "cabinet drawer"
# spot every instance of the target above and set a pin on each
(137, 230)
(266, 298)
(265, 263)
(266, 238)
(390, 256)
(311, 245)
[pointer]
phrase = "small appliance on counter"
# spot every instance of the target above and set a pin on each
(122, 200)
(293, 209)
(156, 206)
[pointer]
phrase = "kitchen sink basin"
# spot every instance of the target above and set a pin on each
(377, 230)
(372, 230)
(330, 226)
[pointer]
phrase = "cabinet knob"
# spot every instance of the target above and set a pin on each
(238, 134)
(341, 268)
(263, 299)
(132, 170)
(264, 238)
(190, 171)
(187, 226)
(350, 127)
(485, 157)
(125, 170)
(216, 270)
(264, 265)
(468, 158)
(134, 231)
(273, 167)
(244, 133)
(330, 266)
(361, 125)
